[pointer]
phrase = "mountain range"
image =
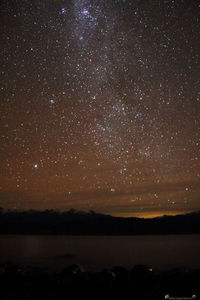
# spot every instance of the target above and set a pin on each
(74, 222)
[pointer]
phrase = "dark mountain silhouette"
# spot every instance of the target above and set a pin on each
(74, 222)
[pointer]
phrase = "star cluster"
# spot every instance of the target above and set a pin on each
(100, 106)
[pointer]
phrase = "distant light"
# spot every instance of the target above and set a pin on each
(112, 190)
(150, 269)
(35, 166)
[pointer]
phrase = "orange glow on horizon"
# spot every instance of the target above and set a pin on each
(151, 215)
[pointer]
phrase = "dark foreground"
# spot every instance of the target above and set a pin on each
(74, 283)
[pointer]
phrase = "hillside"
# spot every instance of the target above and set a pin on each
(74, 222)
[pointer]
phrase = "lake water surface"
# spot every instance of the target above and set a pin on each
(98, 252)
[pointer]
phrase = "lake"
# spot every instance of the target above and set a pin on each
(95, 253)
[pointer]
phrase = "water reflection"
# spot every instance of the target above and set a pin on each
(96, 253)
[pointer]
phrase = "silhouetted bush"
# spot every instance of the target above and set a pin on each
(118, 283)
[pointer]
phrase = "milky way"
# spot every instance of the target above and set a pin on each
(100, 106)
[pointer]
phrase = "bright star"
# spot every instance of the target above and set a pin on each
(52, 101)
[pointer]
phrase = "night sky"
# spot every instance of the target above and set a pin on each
(100, 106)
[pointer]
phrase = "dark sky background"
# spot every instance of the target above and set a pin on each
(100, 106)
